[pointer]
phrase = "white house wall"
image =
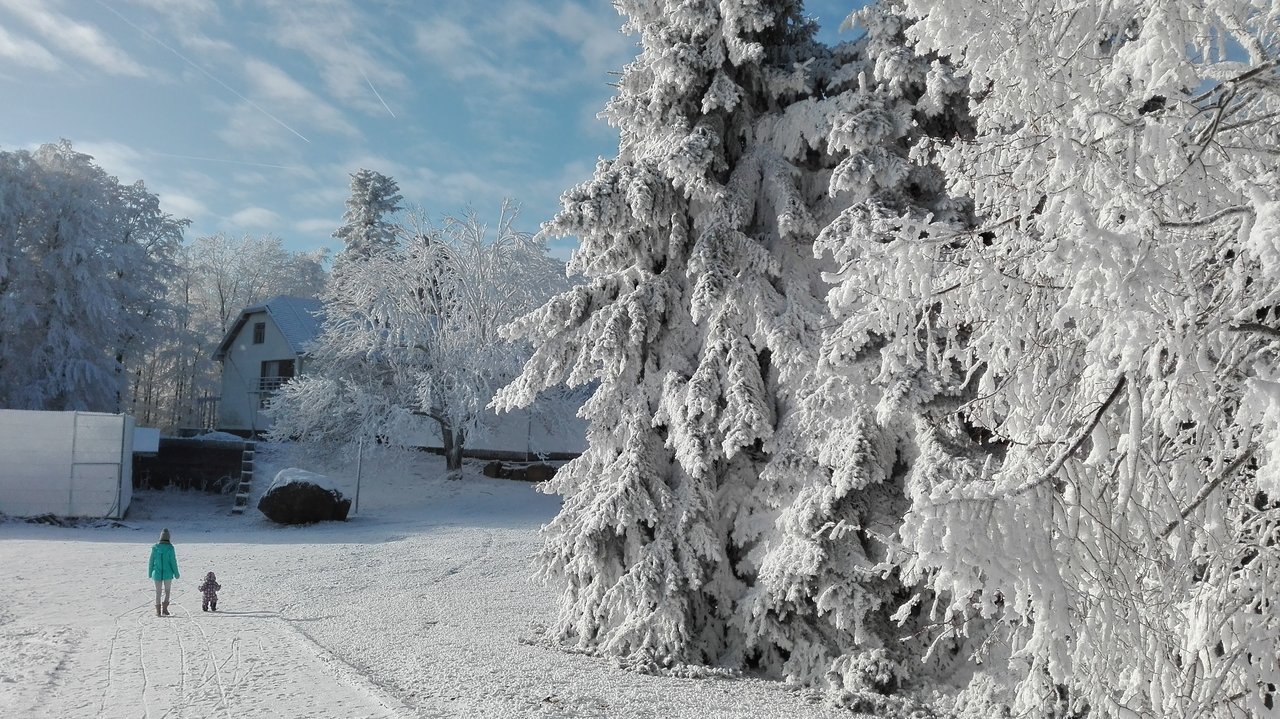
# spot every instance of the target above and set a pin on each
(241, 369)
(72, 464)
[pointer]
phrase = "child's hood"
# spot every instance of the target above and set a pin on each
(209, 577)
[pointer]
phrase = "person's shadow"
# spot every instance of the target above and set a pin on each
(247, 615)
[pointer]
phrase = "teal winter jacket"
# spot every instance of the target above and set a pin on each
(164, 563)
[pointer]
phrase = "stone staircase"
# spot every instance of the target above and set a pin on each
(246, 479)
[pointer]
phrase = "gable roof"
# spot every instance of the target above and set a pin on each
(297, 318)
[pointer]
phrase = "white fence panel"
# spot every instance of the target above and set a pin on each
(74, 464)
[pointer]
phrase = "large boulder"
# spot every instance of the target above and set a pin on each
(538, 472)
(301, 497)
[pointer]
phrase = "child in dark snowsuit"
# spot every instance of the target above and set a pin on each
(209, 590)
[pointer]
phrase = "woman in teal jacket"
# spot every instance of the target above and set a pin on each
(163, 569)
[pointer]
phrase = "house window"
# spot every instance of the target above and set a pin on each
(274, 373)
(259, 332)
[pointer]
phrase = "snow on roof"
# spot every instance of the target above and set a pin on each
(297, 318)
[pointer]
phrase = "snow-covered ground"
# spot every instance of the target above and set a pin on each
(420, 606)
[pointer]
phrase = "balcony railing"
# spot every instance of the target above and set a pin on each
(267, 385)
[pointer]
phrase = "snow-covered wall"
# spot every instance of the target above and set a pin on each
(72, 464)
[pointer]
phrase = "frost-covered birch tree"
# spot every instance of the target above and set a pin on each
(82, 295)
(725, 512)
(412, 332)
(1094, 510)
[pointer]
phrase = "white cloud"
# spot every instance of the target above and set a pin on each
(279, 103)
(180, 205)
(188, 20)
(523, 49)
(116, 158)
(249, 178)
(452, 47)
(317, 225)
(592, 32)
(26, 52)
(255, 218)
(338, 41)
(75, 38)
(188, 9)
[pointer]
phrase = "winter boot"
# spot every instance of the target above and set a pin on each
(165, 609)
(204, 607)
(213, 606)
(157, 610)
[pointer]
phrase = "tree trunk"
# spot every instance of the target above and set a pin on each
(453, 441)
(453, 457)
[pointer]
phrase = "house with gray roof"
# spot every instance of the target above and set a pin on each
(265, 347)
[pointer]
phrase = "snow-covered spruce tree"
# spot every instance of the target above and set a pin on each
(1098, 502)
(82, 259)
(365, 229)
(347, 393)
(826, 586)
(722, 513)
(413, 332)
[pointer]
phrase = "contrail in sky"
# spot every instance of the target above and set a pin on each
(371, 87)
(206, 73)
(351, 55)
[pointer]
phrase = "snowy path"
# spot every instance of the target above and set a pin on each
(227, 665)
(418, 607)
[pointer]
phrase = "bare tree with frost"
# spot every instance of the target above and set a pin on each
(216, 277)
(1095, 509)
(413, 332)
(82, 262)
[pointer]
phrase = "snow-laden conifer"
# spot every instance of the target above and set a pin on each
(826, 587)
(366, 226)
(725, 509)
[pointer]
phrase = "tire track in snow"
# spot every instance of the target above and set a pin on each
(182, 669)
(229, 667)
(114, 651)
(111, 657)
(484, 552)
(142, 662)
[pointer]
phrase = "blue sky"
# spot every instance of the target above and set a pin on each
(247, 116)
